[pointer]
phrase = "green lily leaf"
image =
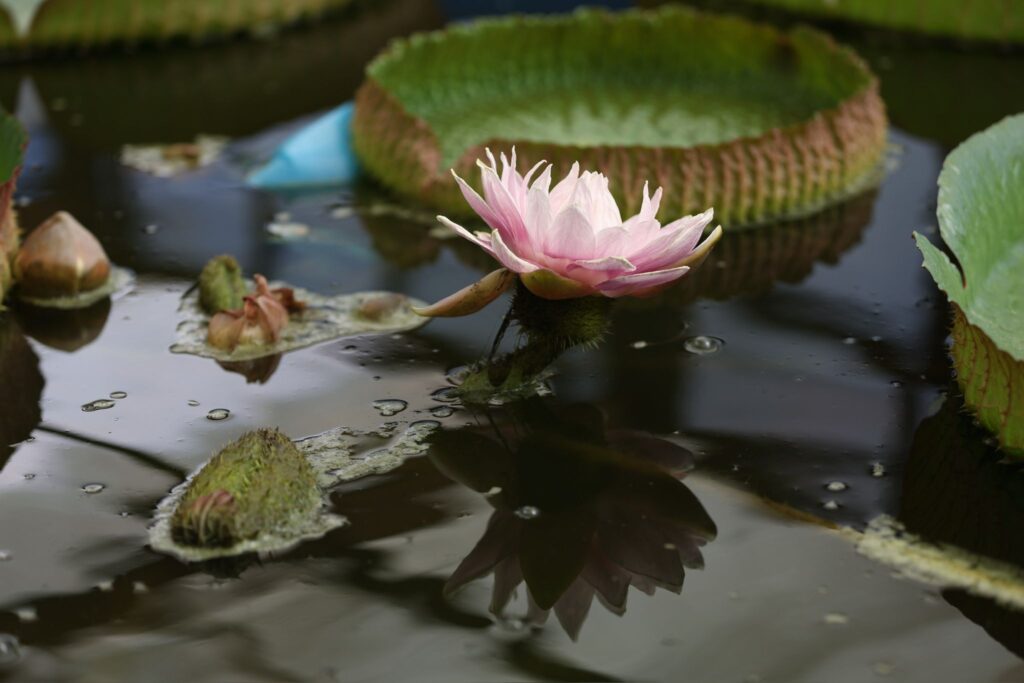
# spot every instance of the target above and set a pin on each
(981, 219)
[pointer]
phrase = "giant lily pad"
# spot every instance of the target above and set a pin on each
(990, 20)
(12, 147)
(34, 25)
(981, 219)
(722, 112)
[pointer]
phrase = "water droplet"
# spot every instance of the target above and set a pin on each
(702, 345)
(836, 486)
(836, 619)
(192, 402)
(98, 404)
(639, 344)
(850, 341)
(877, 469)
(218, 414)
(118, 394)
(442, 411)
(29, 476)
(10, 649)
(6, 556)
(93, 488)
(830, 505)
(151, 229)
(445, 395)
(139, 587)
(876, 338)
(390, 406)
(528, 512)
(895, 384)
(493, 491)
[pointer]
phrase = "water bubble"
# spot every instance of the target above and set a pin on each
(836, 619)
(118, 394)
(26, 614)
(390, 406)
(192, 402)
(895, 384)
(98, 404)
(850, 341)
(218, 414)
(442, 411)
(639, 344)
(6, 556)
(702, 345)
(830, 505)
(93, 488)
(445, 395)
(876, 338)
(836, 486)
(29, 476)
(877, 469)
(528, 512)
(10, 649)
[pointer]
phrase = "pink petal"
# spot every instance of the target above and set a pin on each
(462, 232)
(608, 263)
(508, 258)
(538, 219)
(510, 221)
(626, 285)
(649, 208)
(571, 236)
(565, 189)
(477, 203)
(543, 181)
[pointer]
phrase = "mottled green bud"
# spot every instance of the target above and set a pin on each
(258, 483)
(5, 279)
(221, 286)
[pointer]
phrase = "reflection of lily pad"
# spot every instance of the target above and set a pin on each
(12, 147)
(336, 456)
(981, 219)
(720, 111)
(325, 318)
(990, 20)
(54, 24)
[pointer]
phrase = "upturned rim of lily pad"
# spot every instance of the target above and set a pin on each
(976, 20)
(981, 221)
(43, 26)
(409, 124)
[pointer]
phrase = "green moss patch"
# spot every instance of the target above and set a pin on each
(720, 111)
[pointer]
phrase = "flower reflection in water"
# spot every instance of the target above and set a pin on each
(580, 511)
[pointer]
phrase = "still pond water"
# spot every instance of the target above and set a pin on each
(821, 397)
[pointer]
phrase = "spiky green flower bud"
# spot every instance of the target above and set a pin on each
(221, 286)
(258, 483)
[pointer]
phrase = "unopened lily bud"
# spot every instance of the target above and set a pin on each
(252, 486)
(221, 286)
(61, 258)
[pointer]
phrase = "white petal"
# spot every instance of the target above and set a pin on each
(508, 258)
(462, 232)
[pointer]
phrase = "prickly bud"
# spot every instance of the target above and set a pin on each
(221, 286)
(252, 486)
(61, 258)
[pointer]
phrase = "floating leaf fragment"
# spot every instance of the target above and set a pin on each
(165, 161)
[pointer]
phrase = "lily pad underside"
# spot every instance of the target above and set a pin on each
(981, 220)
(722, 112)
(28, 26)
(325, 318)
(988, 20)
(12, 148)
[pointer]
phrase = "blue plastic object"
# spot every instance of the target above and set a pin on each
(318, 155)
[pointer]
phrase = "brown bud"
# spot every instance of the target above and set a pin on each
(61, 258)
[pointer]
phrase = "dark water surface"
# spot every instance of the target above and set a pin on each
(824, 404)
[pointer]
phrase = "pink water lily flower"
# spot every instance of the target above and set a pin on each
(570, 240)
